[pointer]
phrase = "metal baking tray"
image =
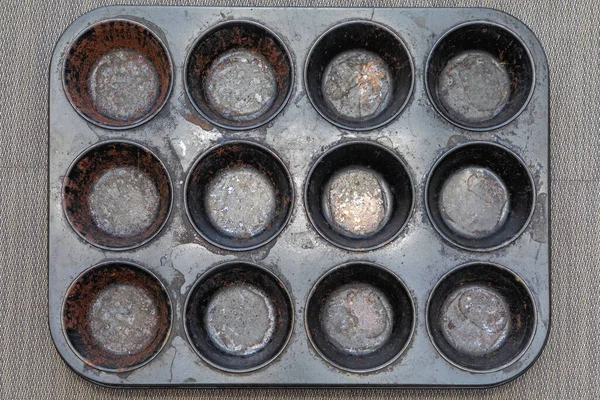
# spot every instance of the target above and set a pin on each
(298, 197)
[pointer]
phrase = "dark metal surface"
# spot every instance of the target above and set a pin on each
(117, 195)
(481, 317)
(116, 316)
(239, 75)
(480, 75)
(296, 259)
(359, 75)
(118, 74)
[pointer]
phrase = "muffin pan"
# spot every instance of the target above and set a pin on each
(298, 197)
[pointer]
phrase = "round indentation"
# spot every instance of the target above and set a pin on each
(474, 202)
(228, 315)
(481, 317)
(356, 84)
(359, 317)
(359, 195)
(117, 74)
(239, 317)
(239, 195)
(241, 202)
(241, 85)
(479, 76)
(476, 320)
(117, 195)
(239, 75)
(480, 196)
(116, 316)
(359, 75)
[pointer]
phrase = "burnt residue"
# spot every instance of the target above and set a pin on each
(249, 37)
(485, 214)
(372, 70)
(479, 76)
(496, 340)
(233, 156)
(201, 333)
(78, 316)
(94, 163)
(358, 350)
(138, 44)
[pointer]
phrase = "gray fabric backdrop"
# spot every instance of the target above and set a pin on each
(30, 366)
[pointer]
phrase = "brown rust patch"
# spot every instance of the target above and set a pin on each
(78, 314)
(96, 42)
(89, 168)
(197, 120)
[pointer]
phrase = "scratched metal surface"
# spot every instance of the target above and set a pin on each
(299, 135)
(31, 368)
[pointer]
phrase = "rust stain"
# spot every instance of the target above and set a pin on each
(78, 306)
(97, 41)
(79, 182)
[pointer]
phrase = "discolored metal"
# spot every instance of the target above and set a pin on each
(481, 317)
(241, 85)
(480, 75)
(356, 84)
(362, 168)
(239, 75)
(117, 195)
(117, 74)
(474, 85)
(475, 320)
(123, 319)
(357, 201)
(359, 195)
(359, 75)
(239, 195)
(238, 317)
(480, 196)
(116, 316)
(359, 317)
(124, 202)
(474, 202)
(241, 202)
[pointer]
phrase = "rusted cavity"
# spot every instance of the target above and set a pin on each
(117, 74)
(250, 55)
(117, 195)
(117, 316)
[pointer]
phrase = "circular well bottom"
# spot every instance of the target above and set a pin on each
(117, 316)
(238, 317)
